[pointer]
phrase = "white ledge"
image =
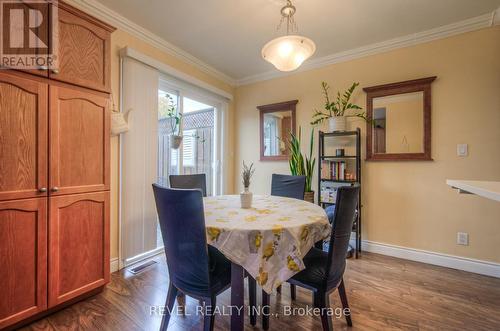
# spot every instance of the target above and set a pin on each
(485, 189)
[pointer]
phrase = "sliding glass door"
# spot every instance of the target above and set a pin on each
(201, 129)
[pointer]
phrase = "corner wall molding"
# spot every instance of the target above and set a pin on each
(495, 19)
(108, 15)
(444, 260)
(471, 24)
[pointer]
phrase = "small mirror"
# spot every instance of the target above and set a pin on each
(277, 121)
(400, 121)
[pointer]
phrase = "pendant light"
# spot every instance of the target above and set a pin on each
(287, 53)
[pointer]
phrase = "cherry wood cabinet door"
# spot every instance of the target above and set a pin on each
(23, 137)
(23, 259)
(83, 51)
(78, 245)
(79, 141)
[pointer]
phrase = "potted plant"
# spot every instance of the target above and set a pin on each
(300, 165)
(246, 195)
(175, 121)
(336, 111)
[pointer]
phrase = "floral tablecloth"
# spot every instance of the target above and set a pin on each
(270, 239)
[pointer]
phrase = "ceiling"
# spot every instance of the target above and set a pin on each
(229, 34)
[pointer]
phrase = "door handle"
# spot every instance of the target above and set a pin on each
(42, 189)
(55, 71)
(55, 189)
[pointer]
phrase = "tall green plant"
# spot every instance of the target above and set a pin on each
(300, 165)
(339, 106)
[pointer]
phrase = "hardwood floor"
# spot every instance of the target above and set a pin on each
(384, 294)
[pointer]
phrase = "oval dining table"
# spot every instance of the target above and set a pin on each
(269, 240)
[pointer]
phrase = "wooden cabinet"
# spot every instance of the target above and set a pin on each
(79, 141)
(23, 259)
(41, 31)
(23, 137)
(54, 173)
(84, 50)
(78, 245)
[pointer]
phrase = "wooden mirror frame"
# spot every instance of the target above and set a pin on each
(416, 85)
(273, 108)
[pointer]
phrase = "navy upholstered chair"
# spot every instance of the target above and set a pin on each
(197, 181)
(288, 186)
(195, 268)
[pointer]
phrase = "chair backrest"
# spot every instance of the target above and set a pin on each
(345, 212)
(182, 224)
(288, 186)
(197, 181)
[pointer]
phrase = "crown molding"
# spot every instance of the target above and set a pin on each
(108, 15)
(452, 29)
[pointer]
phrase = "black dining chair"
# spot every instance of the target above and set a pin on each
(288, 186)
(195, 268)
(197, 181)
(325, 270)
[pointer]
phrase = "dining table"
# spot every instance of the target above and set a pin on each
(268, 240)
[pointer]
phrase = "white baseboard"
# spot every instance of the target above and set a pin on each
(444, 260)
(113, 265)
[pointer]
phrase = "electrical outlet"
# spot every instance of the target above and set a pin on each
(462, 149)
(462, 238)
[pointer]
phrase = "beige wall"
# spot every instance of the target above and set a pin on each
(120, 39)
(408, 203)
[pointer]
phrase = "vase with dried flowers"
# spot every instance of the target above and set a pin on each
(246, 195)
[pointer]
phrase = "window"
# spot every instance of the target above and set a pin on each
(202, 131)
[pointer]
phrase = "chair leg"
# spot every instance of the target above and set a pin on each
(293, 293)
(252, 300)
(265, 310)
(345, 304)
(181, 302)
(169, 303)
(278, 289)
(321, 301)
(209, 318)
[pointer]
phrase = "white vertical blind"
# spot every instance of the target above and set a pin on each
(139, 159)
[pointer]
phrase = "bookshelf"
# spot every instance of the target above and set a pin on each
(335, 171)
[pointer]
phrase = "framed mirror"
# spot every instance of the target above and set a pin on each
(277, 121)
(399, 126)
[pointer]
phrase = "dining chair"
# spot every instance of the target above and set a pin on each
(196, 181)
(195, 268)
(288, 186)
(324, 271)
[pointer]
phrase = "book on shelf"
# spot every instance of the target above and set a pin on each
(335, 170)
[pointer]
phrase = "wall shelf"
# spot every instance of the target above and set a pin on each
(329, 139)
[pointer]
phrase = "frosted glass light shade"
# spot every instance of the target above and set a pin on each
(289, 52)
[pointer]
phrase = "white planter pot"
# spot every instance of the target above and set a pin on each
(246, 198)
(175, 141)
(337, 123)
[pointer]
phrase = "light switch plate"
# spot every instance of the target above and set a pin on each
(462, 149)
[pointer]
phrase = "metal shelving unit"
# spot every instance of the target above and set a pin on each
(357, 181)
